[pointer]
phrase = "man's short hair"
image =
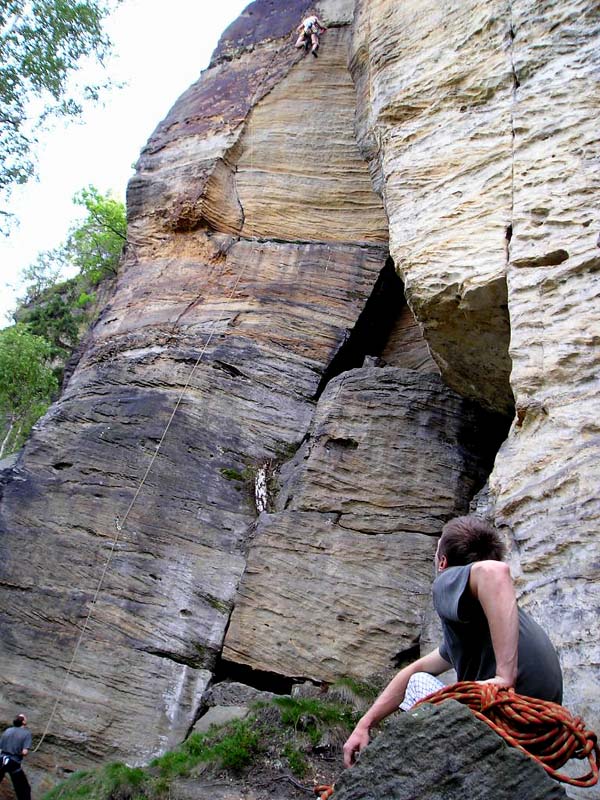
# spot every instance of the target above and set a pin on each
(18, 720)
(468, 539)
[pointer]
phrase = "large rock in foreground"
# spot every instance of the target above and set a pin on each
(444, 753)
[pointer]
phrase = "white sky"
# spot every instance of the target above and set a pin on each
(160, 49)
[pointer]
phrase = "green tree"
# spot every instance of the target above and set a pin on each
(94, 246)
(43, 43)
(27, 384)
(57, 309)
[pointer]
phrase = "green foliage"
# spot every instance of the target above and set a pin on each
(232, 474)
(53, 320)
(94, 246)
(112, 782)
(43, 43)
(231, 747)
(356, 693)
(27, 384)
(296, 760)
(236, 745)
(294, 710)
(262, 741)
(42, 275)
(55, 312)
(84, 299)
(236, 750)
(313, 716)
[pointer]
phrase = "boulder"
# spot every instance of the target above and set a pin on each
(443, 753)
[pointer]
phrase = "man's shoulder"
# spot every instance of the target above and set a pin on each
(452, 575)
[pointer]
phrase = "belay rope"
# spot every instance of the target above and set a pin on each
(543, 730)
(120, 522)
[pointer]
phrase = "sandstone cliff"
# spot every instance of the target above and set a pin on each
(349, 276)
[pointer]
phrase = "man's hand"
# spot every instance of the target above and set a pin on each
(498, 680)
(358, 739)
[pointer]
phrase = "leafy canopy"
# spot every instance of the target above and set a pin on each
(27, 383)
(43, 43)
(94, 246)
(53, 307)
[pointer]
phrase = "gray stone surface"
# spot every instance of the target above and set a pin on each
(220, 715)
(480, 123)
(232, 693)
(443, 753)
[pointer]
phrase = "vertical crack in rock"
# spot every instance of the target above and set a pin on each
(371, 331)
(515, 87)
(448, 197)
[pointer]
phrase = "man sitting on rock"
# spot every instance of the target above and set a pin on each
(310, 29)
(486, 637)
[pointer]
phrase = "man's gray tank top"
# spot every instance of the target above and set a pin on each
(467, 643)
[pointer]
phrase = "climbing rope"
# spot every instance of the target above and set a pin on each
(120, 523)
(543, 730)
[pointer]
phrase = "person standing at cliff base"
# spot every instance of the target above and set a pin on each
(310, 29)
(486, 637)
(15, 743)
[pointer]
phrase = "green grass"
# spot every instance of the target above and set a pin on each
(295, 758)
(313, 716)
(268, 734)
(353, 692)
(231, 747)
(115, 782)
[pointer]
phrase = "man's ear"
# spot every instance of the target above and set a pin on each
(442, 563)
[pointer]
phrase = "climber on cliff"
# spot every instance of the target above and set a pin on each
(486, 637)
(309, 31)
(15, 743)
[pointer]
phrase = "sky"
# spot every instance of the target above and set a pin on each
(160, 49)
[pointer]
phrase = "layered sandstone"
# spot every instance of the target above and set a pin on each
(248, 266)
(479, 123)
(259, 324)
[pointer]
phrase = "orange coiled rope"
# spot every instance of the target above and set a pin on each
(324, 790)
(545, 731)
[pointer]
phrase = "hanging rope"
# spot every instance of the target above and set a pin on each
(545, 731)
(120, 523)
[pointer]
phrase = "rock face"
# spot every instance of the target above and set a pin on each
(259, 329)
(443, 753)
(335, 538)
(479, 124)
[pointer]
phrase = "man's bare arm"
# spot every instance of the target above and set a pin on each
(389, 700)
(491, 583)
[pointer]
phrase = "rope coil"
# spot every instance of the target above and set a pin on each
(543, 730)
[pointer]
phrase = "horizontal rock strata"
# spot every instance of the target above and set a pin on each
(236, 333)
(338, 578)
(479, 123)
